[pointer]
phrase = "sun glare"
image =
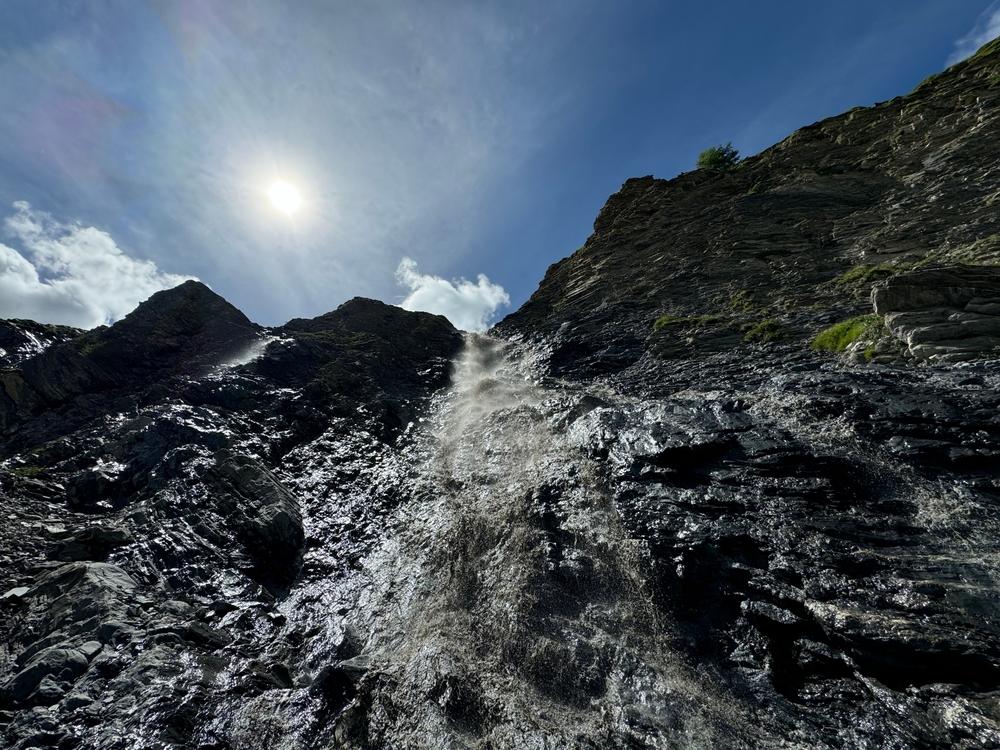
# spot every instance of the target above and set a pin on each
(285, 197)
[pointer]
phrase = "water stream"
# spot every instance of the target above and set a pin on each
(506, 609)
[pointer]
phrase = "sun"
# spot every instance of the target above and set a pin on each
(285, 197)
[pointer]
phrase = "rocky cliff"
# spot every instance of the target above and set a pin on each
(729, 479)
(787, 243)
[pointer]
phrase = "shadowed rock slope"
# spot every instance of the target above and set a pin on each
(793, 238)
(149, 481)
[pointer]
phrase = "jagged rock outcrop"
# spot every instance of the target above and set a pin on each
(21, 339)
(181, 331)
(158, 502)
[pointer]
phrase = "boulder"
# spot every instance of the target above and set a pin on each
(62, 664)
(262, 513)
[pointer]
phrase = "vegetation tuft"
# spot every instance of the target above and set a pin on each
(688, 321)
(741, 301)
(841, 335)
(764, 332)
(866, 274)
(719, 158)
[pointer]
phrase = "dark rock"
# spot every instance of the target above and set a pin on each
(90, 543)
(185, 330)
(950, 286)
(364, 350)
(74, 701)
(23, 339)
(795, 235)
(62, 664)
(263, 513)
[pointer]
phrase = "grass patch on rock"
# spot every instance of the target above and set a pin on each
(741, 301)
(841, 335)
(866, 274)
(686, 321)
(764, 332)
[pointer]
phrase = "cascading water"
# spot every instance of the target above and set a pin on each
(506, 609)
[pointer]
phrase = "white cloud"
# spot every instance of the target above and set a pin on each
(469, 306)
(987, 29)
(69, 273)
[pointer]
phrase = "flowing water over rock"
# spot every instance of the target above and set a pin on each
(508, 609)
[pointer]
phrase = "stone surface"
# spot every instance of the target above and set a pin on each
(943, 313)
(22, 339)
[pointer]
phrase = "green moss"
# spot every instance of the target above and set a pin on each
(867, 274)
(764, 332)
(839, 336)
(869, 352)
(26, 472)
(741, 301)
(987, 49)
(688, 321)
(983, 252)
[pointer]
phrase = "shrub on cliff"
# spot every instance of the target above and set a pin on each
(719, 158)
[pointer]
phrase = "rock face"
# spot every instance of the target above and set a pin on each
(185, 330)
(943, 314)
(166, 481)
(644, 514)
(793, 237)
(21, 339)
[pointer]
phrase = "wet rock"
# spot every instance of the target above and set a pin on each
(47, 693)
(187, 329)
(22, 339)
(607, 534)
(263, 513)
(91, 543)
(74, 701)
(61, 664)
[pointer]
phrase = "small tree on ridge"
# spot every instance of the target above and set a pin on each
(719, 158)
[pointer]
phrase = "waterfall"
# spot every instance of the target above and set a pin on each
(507, 608)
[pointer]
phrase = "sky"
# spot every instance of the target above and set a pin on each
(445, 152)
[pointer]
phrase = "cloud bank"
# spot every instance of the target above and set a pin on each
(469, 306)
(987, 29)
(69, 273)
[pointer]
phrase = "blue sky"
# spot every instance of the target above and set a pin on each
(138, 139)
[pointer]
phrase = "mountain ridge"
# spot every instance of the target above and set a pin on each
(872, 188)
